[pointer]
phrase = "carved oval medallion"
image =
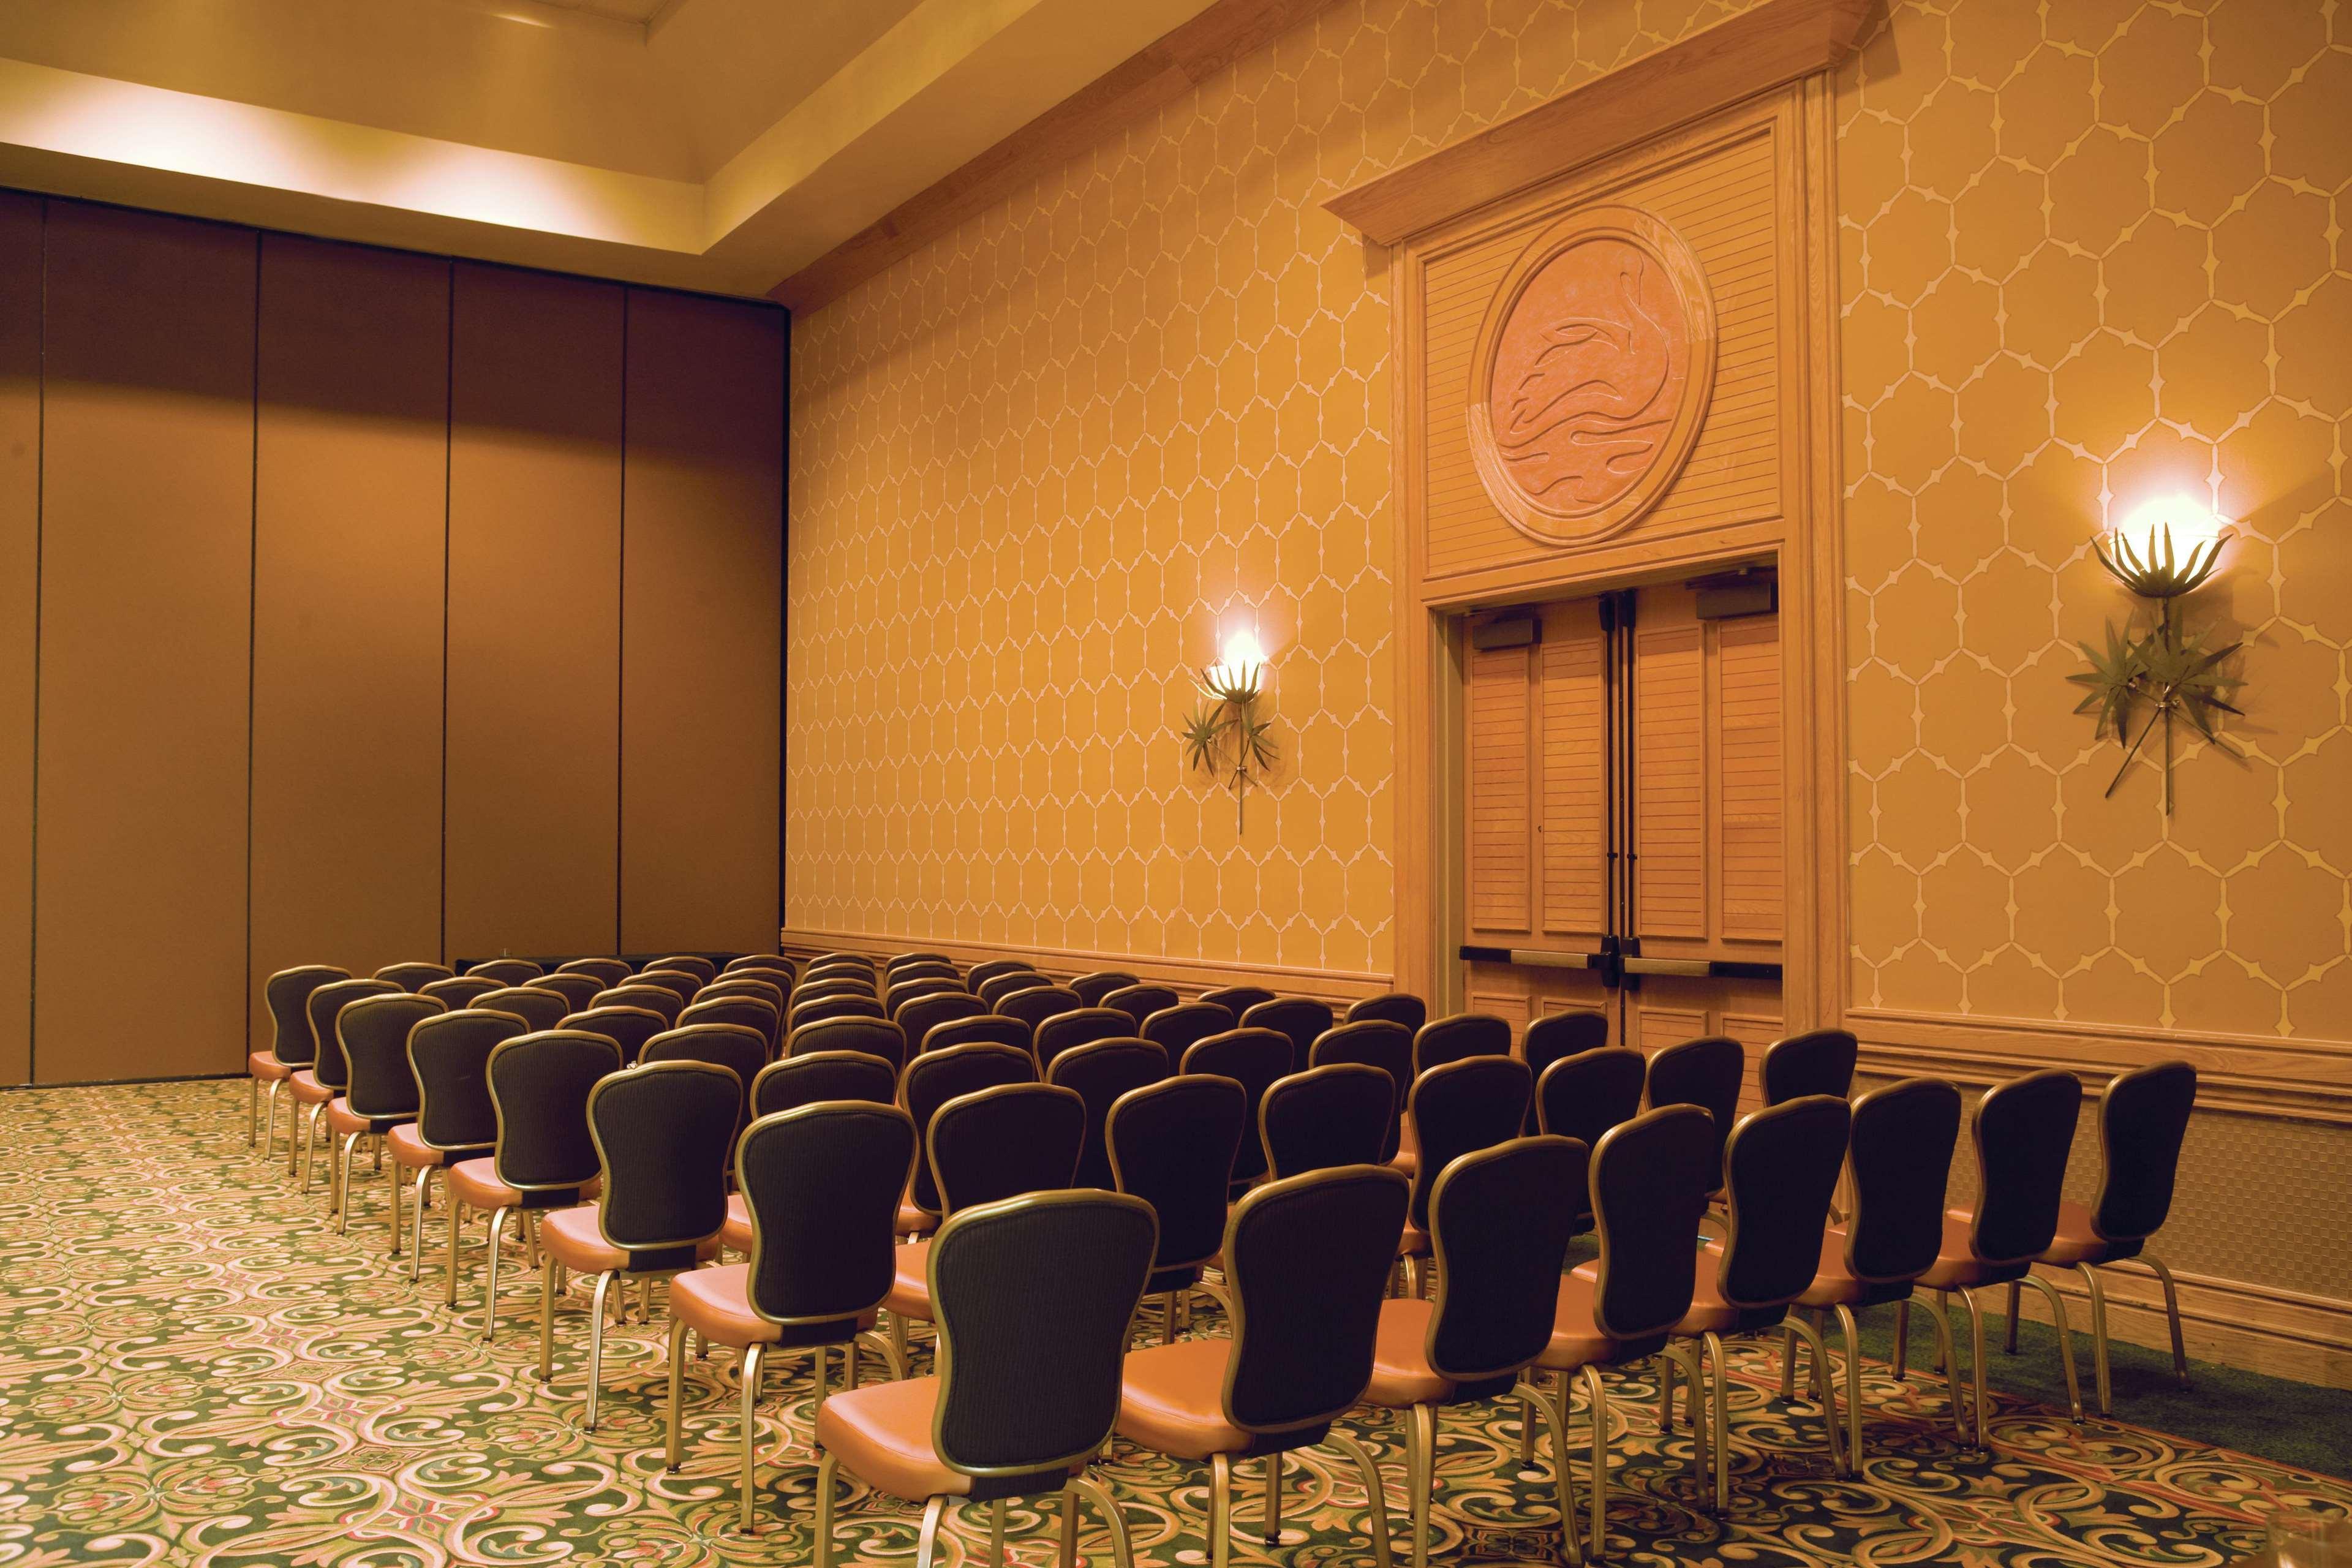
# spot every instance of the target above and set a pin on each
(1592, 374)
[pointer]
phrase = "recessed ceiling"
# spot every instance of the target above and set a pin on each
(711, 144)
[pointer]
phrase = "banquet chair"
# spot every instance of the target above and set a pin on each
(413, 975)
(293, 1046)
(609, 971)
(1390, 1008)
(1300, 1018)
(684, 982)
(987, 1028)
(379, 1092)
(1898, 1157)
(543, 1157)
(1469, 1104)
(1306, 1259)
(1650, 1180)
(1780, 1168)
(1819, 1061)
(1033, 1005)
(998, 987)
(763, 988)
(931, 1081)
(1179, 1028)
(1028, 1382)
(981, 974)
(1253, 1058)
(837, 960)
(900, 993)
(876, 1037)
(919, 1017)
(701, 968)
(1500, 1236)
(1172, 1143)
(821, 1183)
(1705, 1072)
(1100, 984)
(1336, 1114)
(2024, 1129)
(1078, 1027)
(910, 973)
(507, 970)
(1140, 1001)
(918, 957)
(450, 1055)
(747, 1012)
(1556, 1036)
(1458, 1038)
(627, 1027)
(1374, 1043)
(763, 964)
(819, 988)
(1236, 999)
(2142, 1117)
(579, 990)
(540, 1009)
(838, 1006)
(315, 1086)
(796, 1081)
(460, 989)
(739, 1049)
(1098, 1074)
(663, 1133)
(1583, 1096)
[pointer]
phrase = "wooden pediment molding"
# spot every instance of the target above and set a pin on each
(1769, 45)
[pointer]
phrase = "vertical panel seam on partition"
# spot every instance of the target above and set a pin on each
(784, 612)
(252, 624)
(448, 463)
(621, 650)
(40, 502)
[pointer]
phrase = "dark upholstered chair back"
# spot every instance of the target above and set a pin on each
(987, 1028)
(935, 1077)
(1039, 1003)
(627, 1027)
(1000, 1143)
(2143, 1117)
(2024, 1129)
(1585, 1095)
(824, 988)
(1651, 1179)
(915, 987)
(648, 998)
(507, 970)
(1900, 1147)
(981, 974)
(1381, 1043)
(1336, 1115)
(610, 970)
(1237, 999)
(1453, 1039)
(822, 1182)
(416, 973)
(1400, 1007)
(1253, 1058)
(1559, 1034)
(1092, 988)
(874, 1037)
(1471, 1102)
(540, 1009)
(460, 991)
(746, 1012)
(1029, 1378)
(683, 981)
(1098, 1073)
(821, 1076)
(768, 988)
(817, 1010)
(578, 990)
(1179, 1028)
(1705, 1072)
(325, 1006)
(994, 991)
(1079, 1027)
(539, 1084)
(1500, 1233)
(1307, 1259)
(1139, 1002)
(288, 992)
(1780, 1169)
(1299, 1018)
(693, 963)
(1819, 1061)
(450, 1055)
(1172, 1144)
(741, 1050)
(374, 1034)
(907, 964)
(663, 1133)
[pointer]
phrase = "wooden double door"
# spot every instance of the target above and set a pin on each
(1623, 845)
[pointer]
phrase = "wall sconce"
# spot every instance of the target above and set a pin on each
(2165, 549)
(1226, 740)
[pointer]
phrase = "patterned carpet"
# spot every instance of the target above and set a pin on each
(195, 1368)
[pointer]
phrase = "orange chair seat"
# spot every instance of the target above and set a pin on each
(408, 1148)
(1414, 1243)
(574, 1238)
(735, 1235)
(1576, 1340)
(343, 1119)
(2077, 1240)
(267, 1068)
(1833, 1284)
(913, 1221)
(717, 1304)
(475, 1182)
(1709, 1312)
(910, 1292)
(1957, 1266)
(1171, 1400)
(308, 1089)
(882, 1434)
(1402, 1374)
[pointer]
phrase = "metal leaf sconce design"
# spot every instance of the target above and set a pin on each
(1226, 738)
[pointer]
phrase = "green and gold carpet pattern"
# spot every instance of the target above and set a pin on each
(195, 1368)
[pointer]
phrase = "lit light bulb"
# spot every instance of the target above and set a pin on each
(1237, 674)
(2166, 546)
(1242, 652)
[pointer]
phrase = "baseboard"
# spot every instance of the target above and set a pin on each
(2254, 1328)
(1190, 975)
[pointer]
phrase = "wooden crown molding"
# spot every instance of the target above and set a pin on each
(1157, 75)
(1769, 45)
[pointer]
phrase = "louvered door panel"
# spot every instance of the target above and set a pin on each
(1670, 776)
(1747, 717)
(1501, 890)
(1574, 789)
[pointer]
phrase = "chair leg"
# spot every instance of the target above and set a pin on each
(1977, 1364)
(491, 1288)
(1221, 1510)
(393, 1178)
(2009, 1338)
(1820, 1351)
(1069, 1553)
(670, 1457)
(1527, 1419)
(1596, 1398)
(2065, 1340)
(269, 1118)
(825, 1465)
(996, 1532)
(547, 1320)
(1788, 1363)
(1377, 1496)
(310, 1143)
(1852, 1333)
(1420, 1446)
(1271, 1531)
(1680, 1355)
(1719, 1406)
(1943, 1308)
(2171, 1314)
(1951, 1363)
(754, 1358)
(252, 1110)
(1122, 1548)
(597, 1338)
(1898, 1363)
(417, 1237)
(341, 1195)
(1572, 1540)
(887, 1350)
(451, 1204)
(927, 1544)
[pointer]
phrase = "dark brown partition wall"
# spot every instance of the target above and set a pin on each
(702, 585)
(351, 485)
(146, 578)
(20, 547)
(533, 774)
